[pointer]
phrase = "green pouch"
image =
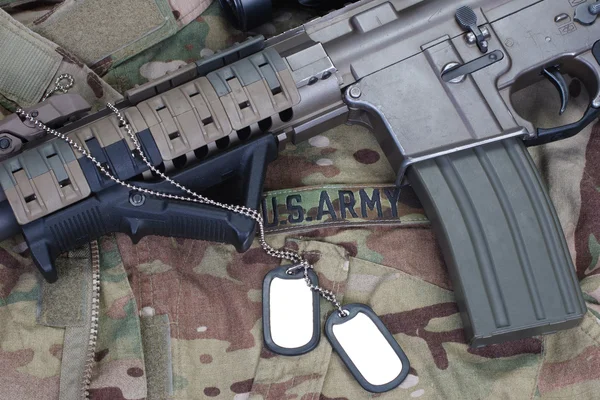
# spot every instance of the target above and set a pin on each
(35, 64)
(31, 66)
(105, 33)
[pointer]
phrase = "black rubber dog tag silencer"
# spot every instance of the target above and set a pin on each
(291, 315)
(367, 348)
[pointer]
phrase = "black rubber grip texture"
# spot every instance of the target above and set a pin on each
(502, 242)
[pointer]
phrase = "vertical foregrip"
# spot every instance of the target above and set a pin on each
(499, 233)
(236, 174)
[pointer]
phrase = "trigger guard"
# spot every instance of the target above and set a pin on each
(547, 135)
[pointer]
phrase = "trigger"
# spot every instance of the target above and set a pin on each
(554, 75)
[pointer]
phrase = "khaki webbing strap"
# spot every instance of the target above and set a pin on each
(27, 62)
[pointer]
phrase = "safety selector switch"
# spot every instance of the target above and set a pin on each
(586, 13)
(467, 19)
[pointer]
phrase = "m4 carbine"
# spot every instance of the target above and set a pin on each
(432, 83)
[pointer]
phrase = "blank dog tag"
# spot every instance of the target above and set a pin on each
(367, 348)
(291, 321)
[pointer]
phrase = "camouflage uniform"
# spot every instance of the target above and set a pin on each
(181, 319)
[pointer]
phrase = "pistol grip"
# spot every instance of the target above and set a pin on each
(502, 242)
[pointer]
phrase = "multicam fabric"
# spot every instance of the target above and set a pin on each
(204, 299)
(202, 37)
(106, 33)
(35, 59)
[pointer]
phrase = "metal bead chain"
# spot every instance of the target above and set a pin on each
(288, 255)
(97, 163)
(325, 293)
(248, 212)
(196, 198)
(60, 87)
(95, 314)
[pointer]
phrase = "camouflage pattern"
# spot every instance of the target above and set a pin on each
(86, 83)
(119, 353)
(210, 296)
(114, 31)
(30, 353)
(200, 38)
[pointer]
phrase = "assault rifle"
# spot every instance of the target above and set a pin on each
(432, 82)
